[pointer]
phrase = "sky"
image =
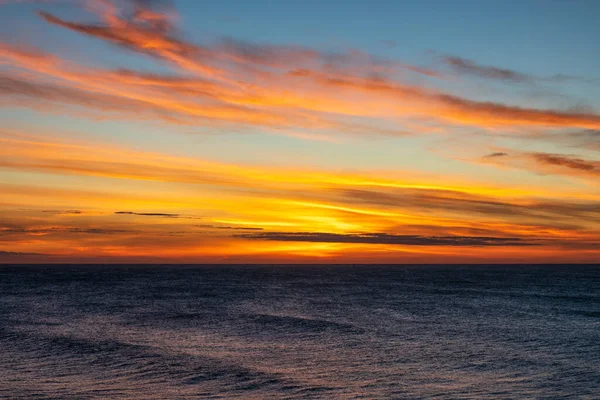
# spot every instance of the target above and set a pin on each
(299, 132)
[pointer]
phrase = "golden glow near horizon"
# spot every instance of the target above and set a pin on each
(234, 152)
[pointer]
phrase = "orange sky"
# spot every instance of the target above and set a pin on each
(164, 148)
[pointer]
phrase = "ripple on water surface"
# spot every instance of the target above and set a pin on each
(300, 332)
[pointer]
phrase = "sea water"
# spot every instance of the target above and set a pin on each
(313, 332)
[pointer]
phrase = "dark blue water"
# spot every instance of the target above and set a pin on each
(300, 332)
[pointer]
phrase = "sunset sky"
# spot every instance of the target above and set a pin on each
(299, 131)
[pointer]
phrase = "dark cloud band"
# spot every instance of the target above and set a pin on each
(384, 238)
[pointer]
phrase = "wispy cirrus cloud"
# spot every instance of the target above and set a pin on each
(568, 162)
(457, 203)
(293, 212)
(250, 84)
(468, 67)
(148, 27)
(587, 139)
(17, 88)
(294, 200)
(41, 155)
(56, 157)
(547, 163)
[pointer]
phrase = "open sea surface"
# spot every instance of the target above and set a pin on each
(300, 332)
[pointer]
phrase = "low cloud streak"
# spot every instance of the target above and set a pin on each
(384, 238)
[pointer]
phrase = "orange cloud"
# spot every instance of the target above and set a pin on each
(137, 205)
(282, 200)
(241, 83)
(546, 163)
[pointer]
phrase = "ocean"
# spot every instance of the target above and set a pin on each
(300, 332)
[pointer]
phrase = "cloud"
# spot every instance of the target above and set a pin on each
(236, 82)
(436, 104)
(445, 202)
(63, 212)
(435, 211)
(469, 67)
(41, 93)
(345, 189)
(18, 254)
(588, 139)
(358, 194)
(547, 163)
(151, 31)
(62, 158)
(476, 112)
(558, 78)
(148, 214)
(155, 214)
(239, 228)
(161, 41)
(384, 238)
(40, 231)
(496, 154)
(138, 33)
(567, 161)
